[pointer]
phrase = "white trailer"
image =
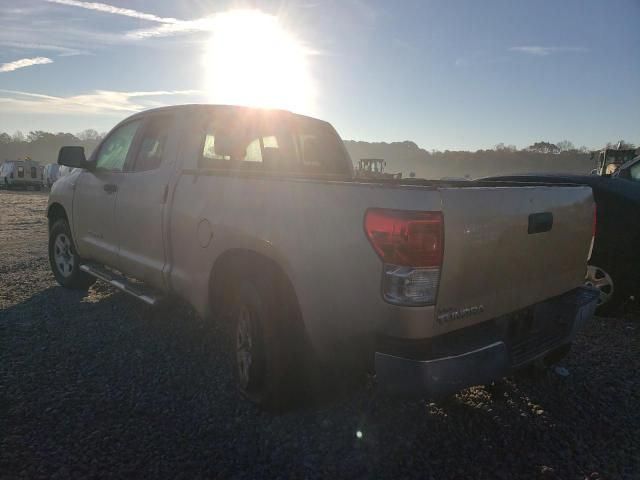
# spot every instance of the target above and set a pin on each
(21, 174)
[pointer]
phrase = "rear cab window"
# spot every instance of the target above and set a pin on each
(153, 142)
(268, 141)
(321, 150)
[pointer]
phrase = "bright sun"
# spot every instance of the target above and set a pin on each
(251, 60)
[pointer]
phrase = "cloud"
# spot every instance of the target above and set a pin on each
(105, 8)
(168, 29)
(24, 62)
(97, 102)
(169, 26)
(60, 50)
(540, 51)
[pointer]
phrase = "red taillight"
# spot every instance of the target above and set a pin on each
(405, 238)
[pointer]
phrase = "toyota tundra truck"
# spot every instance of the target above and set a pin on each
(254, 217)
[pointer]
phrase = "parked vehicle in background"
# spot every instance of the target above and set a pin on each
(374, 168)
(608, 160)
(257, 215)
(629, 170)
(63, 171)
(50, 173)
(21, 174)
(614, 267)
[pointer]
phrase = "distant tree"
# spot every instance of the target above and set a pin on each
(18, 136)
(543, 147)
(39, 135)
(412, 174)
(89, 134)
(501, 147)
(584, 149)
(565, 146)
(408, 144)
(5, 138)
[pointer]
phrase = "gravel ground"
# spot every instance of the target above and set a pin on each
(99, 385)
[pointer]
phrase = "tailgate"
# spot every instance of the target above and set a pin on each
(501, 253)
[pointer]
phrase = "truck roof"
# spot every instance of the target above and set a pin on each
(212, 106)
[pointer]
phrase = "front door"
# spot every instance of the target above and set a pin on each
(141, 202)
(95, 196)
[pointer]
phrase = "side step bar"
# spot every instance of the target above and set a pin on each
(122, 283)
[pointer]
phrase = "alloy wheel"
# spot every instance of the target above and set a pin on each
(600, 279)
(63, 256)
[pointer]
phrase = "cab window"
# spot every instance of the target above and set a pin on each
(152, 144)
(248, 140)
(321, 150)
(113, 152)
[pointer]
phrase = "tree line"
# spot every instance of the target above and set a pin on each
(543, 156)
(405, 157)
(43, 146)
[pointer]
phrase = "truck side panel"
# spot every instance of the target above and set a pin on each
(313, 230)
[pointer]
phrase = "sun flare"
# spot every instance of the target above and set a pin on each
(252, 60)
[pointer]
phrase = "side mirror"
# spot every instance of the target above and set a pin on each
(73, 157)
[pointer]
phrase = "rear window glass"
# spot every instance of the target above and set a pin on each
(271, 141)
(321, 150)
(152, 144)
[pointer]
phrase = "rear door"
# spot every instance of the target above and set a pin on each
(141, 201)
(95, 196)
(506, 248)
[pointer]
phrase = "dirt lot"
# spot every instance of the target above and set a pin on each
(99, 385)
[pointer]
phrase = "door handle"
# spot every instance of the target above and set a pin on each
(540, 222)
(110, 188)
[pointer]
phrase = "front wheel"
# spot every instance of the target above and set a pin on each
(64, 261)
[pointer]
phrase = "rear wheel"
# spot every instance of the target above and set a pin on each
(64, 261)
(267, 367)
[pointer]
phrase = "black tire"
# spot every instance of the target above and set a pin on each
(268, 368)
(67, 270)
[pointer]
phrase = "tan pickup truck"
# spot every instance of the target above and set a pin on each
(256, 215)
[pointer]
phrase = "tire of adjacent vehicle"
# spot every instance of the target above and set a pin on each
(75, 279)
(274, 377)
(618, 294)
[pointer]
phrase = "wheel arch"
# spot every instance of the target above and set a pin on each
(229, 265)
(55, 212)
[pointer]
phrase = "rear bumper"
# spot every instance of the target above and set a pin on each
(447, 364)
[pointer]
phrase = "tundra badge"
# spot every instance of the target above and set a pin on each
(446, 315)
